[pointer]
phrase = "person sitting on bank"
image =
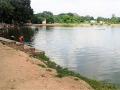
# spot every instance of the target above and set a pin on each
(21, 39)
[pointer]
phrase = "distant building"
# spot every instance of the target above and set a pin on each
(44, 22)
(101, 22)
(93, 22)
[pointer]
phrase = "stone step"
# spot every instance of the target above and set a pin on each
(20, 46)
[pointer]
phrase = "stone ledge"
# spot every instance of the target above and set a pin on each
(22, 47)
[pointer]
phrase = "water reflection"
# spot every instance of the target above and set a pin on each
(92, 52)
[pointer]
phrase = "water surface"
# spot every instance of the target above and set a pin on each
(93, 52)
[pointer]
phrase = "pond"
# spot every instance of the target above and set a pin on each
(94, 52)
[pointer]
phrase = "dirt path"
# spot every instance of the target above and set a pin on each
(19, 72)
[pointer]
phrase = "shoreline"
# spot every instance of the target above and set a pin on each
(75, 25)
(6, 26)
(22, 69)
(61, 72)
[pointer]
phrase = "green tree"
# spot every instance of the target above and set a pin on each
(17, 11)
(6, 11)
(22, 12)
(88, 18)
(72, 18)
(48, 16)
(38, 18)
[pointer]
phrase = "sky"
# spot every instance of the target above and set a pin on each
(104, 8)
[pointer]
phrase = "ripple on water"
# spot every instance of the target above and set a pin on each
(93, 53)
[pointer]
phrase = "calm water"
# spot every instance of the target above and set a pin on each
(93, 52)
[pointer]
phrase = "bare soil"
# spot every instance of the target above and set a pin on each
(18, 71)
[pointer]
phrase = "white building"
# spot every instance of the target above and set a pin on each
(93, 22)
(44, 22)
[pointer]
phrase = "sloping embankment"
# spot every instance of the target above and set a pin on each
(19, 71)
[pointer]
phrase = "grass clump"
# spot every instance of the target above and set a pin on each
(41, 65)
(76, 79)
(49, 70)
(63, 72)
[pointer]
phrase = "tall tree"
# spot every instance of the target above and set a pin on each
(22, 11)
(38, 18)
(48, 16)
(6, 11)
(17, 11)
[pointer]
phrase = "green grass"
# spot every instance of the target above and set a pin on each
(63, 72)
(43, 66)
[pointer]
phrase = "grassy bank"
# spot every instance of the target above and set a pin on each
(75, 25)
(64, 25)
(63, 72)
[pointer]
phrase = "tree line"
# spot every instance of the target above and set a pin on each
(61, 18)
(71, 18)
(20, 11)
(15, 11)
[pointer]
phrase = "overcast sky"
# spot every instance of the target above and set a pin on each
(94, 8)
